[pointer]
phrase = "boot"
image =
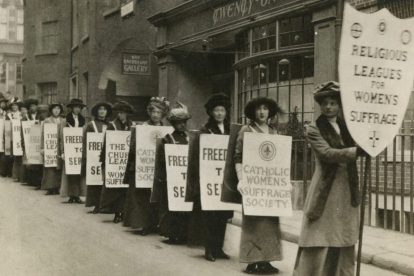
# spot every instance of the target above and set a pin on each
(219, 253)
(209, 256)
(267, 268)
(251, 269)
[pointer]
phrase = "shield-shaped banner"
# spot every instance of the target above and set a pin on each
(376, 70)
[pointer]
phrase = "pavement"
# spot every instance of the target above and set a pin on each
(44, 236)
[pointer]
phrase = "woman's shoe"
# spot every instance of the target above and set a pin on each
(71, 200)
(49, 192)
(95, 210)
(267, 268)
(221, 255)
(77, 200)
(209, 256)
(251, 269)
(118, 218)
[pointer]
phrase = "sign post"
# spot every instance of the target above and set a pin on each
(176, 161)
(94, 143)
(213, 154)
(146, 137)
(72, 144)
(376, 62)
(266, 186)
(117, 149)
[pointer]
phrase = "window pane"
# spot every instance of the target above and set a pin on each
(284, 26)
(20, 32)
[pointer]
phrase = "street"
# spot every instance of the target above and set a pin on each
(42, 235)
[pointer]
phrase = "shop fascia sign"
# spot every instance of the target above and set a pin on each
(127, 7)
(237, 9)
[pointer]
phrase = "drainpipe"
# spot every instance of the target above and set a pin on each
(338, 27)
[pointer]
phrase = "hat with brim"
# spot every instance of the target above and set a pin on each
(327, 89)
(96, 107)
(215, 100)
(160, 103)
(76, 102)
(123, 106)
(42, 108)
(53, 105)
(15, 101)
(29, 102)
(252, 105)
(178, 113)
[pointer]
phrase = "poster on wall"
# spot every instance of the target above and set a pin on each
(376, 62)
(176, 160)
(94, 143)
(213, 153)
(136, 64)
(72, 144)
(146, 137)
(117, 149)
(266, 189)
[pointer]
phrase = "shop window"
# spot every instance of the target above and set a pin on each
(264, 38)
(49, 37)
(19, 72)
(287, 80)
(296, 31)
(48, 92)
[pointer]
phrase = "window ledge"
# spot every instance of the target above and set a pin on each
(74, 48)
(51, 53)
(111, 11)
(85, 38)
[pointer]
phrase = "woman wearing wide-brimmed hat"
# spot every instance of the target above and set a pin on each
(113, 199)
(52, 176)
(330, 222)
(72, 186)
(261, 236)
(101, 113)
(173, 225)
(140, 213)
(213, 222)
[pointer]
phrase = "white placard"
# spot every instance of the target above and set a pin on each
(146, 137)
(94, 143)
(7, 137)
(213, 153)
(50, 145)
(176, 161)
(72, 145)
(117, 149)
(376, 74)
(266, 188)
(26, 125)
(17, 137)
(1, 135)
(33, 147)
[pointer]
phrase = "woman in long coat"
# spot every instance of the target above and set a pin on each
(173, 225)
(72, 186)
(330, 223)
(14, 113)
(113, 199)
(52, 176)
(3, 114)
(101, 113)
(140, 213)
(213, 222)
(261, 236)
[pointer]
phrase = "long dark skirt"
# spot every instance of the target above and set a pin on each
(112, 200)
(213, 226)
(325, 261)
(139, 211)
(172, 224)
(93, 195)
(51, 178)
(260, 240)
(72, 185)
(17, 164)
(6, 165)
(34, 175)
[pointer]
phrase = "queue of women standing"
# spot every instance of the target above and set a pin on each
(330, 223)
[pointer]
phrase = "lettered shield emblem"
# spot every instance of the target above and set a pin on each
(376, 73)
